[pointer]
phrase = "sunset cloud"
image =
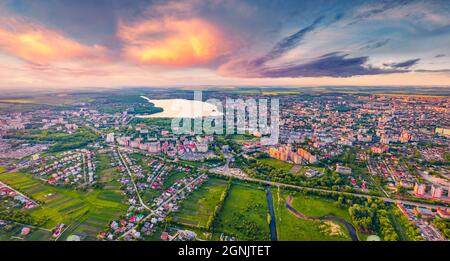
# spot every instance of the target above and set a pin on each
(36, 44)
(172, 42)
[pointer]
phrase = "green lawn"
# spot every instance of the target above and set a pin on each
(197, 209)
(172, 177)
(278, 164)
(89, 212)
(195, 164)
(243, 137)
(244, 213)
(289, 227)
(2, 169)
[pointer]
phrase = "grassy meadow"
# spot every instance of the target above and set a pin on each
(197, 209)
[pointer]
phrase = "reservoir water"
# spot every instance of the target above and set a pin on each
(182, 108)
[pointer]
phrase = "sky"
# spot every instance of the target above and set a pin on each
(118, 43)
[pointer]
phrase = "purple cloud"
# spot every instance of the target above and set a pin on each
(287, 43)
(406, 64)
(332, 65)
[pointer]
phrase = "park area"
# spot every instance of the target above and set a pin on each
(291, 227)
(277, 164)
(83, 212)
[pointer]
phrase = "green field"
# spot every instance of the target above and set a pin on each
(195, 164)
(2, 169)
(278, 164)
(84, 212)
(172, 177)
(59, 99)
(244, 213)
(106, 174)
(197, 209)
(290, 227)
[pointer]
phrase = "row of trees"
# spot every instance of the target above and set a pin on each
(259, 169)
(373, 218)
(21, 217)
(443, 225)
(411, 231)
(219, 206)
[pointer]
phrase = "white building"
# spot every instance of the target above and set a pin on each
(110, 137)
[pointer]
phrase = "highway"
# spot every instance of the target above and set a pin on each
(272, 183)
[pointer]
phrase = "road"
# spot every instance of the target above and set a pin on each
(152, 212)
(19, 193)
(272, 183)
(132, 180)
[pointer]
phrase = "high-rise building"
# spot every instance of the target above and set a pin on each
(419, 189)
(154, 147)
(436, 192)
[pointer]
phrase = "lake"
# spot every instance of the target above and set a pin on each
(182, 108)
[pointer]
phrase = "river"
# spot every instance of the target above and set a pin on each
(273, 223)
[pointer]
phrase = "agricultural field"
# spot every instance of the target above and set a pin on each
(86, 212)
(197, 209)
(290, 227)
(244, 214)
(107, 174)
(16, 101)
(276, 163)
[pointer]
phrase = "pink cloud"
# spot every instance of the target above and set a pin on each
(37, 44)
(173, 42)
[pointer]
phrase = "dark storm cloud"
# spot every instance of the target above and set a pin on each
(332, 65)
(434, 71)
(405, 64)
